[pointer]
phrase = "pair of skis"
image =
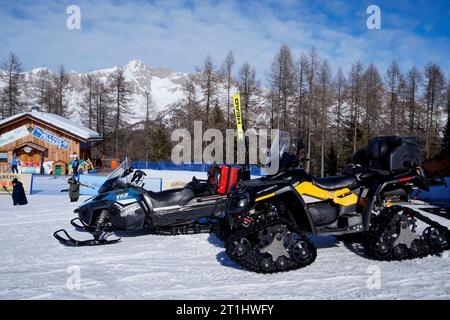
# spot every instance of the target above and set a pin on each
(242, 142)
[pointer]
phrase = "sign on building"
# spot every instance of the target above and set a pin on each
(51, 138)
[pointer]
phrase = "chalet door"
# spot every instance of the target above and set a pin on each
(58, 169)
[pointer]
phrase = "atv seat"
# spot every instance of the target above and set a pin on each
(333, 183)
(174, 197)
(261, 182)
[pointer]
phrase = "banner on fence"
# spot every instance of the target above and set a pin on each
(7, 178)
(174, 184)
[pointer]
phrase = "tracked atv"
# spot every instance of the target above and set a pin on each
(123, 205)
(268, 220)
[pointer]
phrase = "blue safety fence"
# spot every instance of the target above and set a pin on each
(49, 185)
(52, 185)
(197, 167)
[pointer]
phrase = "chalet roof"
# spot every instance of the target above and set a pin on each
(31, 144)
(58, 122)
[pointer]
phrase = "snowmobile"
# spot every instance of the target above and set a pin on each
(124, 204)
(268, 220)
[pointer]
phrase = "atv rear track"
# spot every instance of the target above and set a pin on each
(393, 236)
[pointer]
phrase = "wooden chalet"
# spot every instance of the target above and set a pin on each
(42, 139)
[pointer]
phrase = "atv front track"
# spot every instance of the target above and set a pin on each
(270, 246)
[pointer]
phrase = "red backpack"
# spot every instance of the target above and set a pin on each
(222, 177)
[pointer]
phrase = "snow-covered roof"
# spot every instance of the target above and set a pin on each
(59, 122)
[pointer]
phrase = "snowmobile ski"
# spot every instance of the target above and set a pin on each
(69, 241)
(80, 225)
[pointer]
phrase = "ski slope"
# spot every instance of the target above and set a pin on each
(34, 265)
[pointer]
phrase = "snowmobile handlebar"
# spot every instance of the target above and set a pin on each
(127, 172)
(137, 178)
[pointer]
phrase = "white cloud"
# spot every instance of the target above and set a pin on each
(169, 33)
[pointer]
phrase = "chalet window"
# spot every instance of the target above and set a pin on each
(3, 157)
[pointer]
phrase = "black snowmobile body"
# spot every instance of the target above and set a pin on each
(135, 208)
(122, 206)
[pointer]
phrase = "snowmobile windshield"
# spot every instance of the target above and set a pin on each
(116, 177)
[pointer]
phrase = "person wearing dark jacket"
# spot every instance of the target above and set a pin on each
(75, 165)
(18, 194)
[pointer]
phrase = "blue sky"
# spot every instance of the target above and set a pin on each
(179, 34)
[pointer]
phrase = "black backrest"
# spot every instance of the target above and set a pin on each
(390, 153)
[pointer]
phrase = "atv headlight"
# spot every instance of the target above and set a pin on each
(242, 202)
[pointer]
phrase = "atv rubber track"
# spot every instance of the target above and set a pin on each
(380, 227)
(253, 259)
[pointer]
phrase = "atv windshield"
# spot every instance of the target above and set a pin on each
(279, 148)
(116, 178)
(280, 145)
(285, 142)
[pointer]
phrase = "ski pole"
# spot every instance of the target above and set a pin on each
(85, 185)
(4, 188)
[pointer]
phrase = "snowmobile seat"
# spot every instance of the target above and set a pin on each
(200, 187)
(173, 197)
(334, 183)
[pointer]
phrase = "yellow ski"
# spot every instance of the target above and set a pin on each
(238, 116)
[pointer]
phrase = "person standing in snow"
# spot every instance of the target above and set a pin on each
(14, 163)
(18, 194)
(74, 189)
(75, 164)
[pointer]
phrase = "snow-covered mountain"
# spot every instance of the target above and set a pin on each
(164, 84)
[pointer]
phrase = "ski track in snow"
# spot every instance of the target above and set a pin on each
(34, 265)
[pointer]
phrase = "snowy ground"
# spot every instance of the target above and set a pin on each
(34, 265)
